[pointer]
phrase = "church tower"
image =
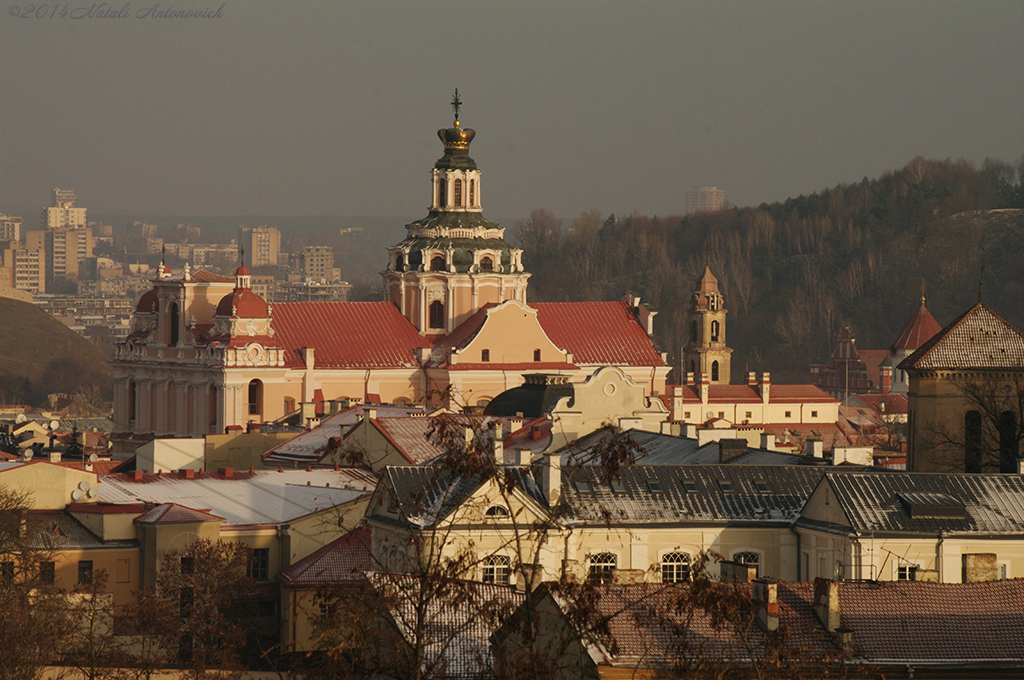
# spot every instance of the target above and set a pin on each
(706, 352)
(453, 262)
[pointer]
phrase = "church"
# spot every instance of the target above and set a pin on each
(206, 353)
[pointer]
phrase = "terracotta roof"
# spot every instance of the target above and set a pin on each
(242, 303)
(598, 333)
(459, 337)
(172, 513)
(343, 560)
(887, 403)
(347, 334)
(919, 330)
(901, 621)
(979, 338)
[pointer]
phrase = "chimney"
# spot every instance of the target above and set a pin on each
(371, 413)
(826, 603)
(730, 448)
(704, 384)
(815, 448)
(528, 577)
(551, 477)
(844, 639)
(137, 475)
(187, 474)
(252, 427)
(752, 379)
(767, 441)
(689, 378)
(766, 388)
(766, 604)
(885, 378)
(499, 445)
(54, 455)
(228, 473)
(524, 456)
(535, 432)
(979, 568)
(307, 410)
(689, 430)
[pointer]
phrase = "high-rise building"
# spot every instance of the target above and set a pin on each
(65, 248)
(262, 244)
(704, 199)
(10, 228)
(26, 267)
(317, 263)
(64, 213)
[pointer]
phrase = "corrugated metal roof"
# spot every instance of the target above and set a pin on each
(598, 333)
(979, 338)
(347, 334)
(260, 497)
(172, 513)
(994, 503)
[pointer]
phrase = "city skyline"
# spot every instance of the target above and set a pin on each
(330, 109)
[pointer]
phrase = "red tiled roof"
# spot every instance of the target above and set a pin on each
(459, 337)
(921, 328)
(347, 334)
(872, 360)
(598, 333)
(979, 338)
(800, 393)
(146, 302)
(745, 394)
(894, 403)
(243, 304)
(204, 276)
(172, 513)
(345, 559)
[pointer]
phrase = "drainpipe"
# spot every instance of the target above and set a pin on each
(938, 557)
(799, 554)
(565, 555)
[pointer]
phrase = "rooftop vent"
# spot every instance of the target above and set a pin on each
(931, 506)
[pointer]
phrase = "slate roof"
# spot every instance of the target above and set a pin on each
(725, 494)
(347, 334)
(935, 623)
(598, 333)
(979, 338)
(344, 560)
(456, 626)
(993, 504)
(260, 497)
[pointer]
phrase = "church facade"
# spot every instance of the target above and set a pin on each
(206, 353)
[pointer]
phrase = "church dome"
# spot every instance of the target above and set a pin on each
(147, 302)
(243, 304)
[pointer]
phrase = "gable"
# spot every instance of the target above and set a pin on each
(510, 333)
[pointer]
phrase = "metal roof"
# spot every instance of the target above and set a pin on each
(260, 497)
(598, 333)
(59, 530)
(993, 503)
(655, 448)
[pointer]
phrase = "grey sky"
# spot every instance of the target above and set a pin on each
(332, 107)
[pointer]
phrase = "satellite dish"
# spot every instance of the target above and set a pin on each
(93, 458)
(84, 486)
(711, 414)
(77, 495)
(20, 418)
(54, 424)
(92, 493)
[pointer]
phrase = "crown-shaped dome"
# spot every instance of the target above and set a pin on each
(456, 140)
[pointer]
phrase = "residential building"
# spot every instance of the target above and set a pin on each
(64, 212)
(25, 267)
(10, 228)
(704, 199)
(317, 263)
(65, 249)
(262, 244)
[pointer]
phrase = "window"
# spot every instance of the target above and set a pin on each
(188, 565)
(486, 264)
(1001, 571)
(255, 397)
(536, 355)
(686, 414)
(485, 355)
(174, 319)
(85, 571)
(721, 414)
(497, 511)
(47, 573)
(1008, 442)
(749, 559)
(690, 486)
(654, 485)
(496, 570)
(326, 610)
(763, 486)
(906, 572)
(259, 565)
(814, 414)
(440, 193)
(617, 486)
(472, 192)
(583, 487)
(675, 567)
(748, 415)
(437, 264)
(601, 568)
(715, 330)
(458, 192)
(725, 485)
(714, 370)
(399, 263)
(789, 414)
(437, 314)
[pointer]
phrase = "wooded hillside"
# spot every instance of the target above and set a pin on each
(794, 273)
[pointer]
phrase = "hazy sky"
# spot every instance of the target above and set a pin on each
(306, 108)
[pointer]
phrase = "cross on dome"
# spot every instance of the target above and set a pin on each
(456, 105)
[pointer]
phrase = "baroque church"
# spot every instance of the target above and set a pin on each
(206, 353)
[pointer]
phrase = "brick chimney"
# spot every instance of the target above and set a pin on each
(826, 603)
(766, 388)
(766, 603)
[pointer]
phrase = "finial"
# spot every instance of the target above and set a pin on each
(922, 292)
(981, 282)
(456, 105)
(241, 255)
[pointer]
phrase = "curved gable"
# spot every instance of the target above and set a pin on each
(511, 334)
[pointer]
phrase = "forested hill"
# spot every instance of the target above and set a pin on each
(794, 273)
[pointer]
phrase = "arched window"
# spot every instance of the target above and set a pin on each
(1008, 442)
(486, 264)
(437, 314)
(255, 397)
(458, 193)
(472, 192)
(714, 370)
(497, 511)
(675, 567)
(399, 263)
(131, 401)
(437, 264)
(693, 366)
(440, 193)
(693, 331)
(750, 559)
(174, 319)
(496, 570)
(715, 329)
(601, 568)
(972, 441)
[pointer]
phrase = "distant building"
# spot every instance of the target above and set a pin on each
(317, 263)
(707, 354)
(262, 245)
(64, 212)
(64, 247)
(24, 268)
(704, 199)
(10, 227)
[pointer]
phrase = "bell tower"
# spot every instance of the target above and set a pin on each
(454, 261)
(706, 351)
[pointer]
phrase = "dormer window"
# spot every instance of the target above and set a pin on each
(486, 264)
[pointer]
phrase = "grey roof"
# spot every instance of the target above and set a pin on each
(993, 504)
(58, 530)
(690, 493)
(655, 448)
(979, 338)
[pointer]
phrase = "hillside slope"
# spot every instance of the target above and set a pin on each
(40, 355)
